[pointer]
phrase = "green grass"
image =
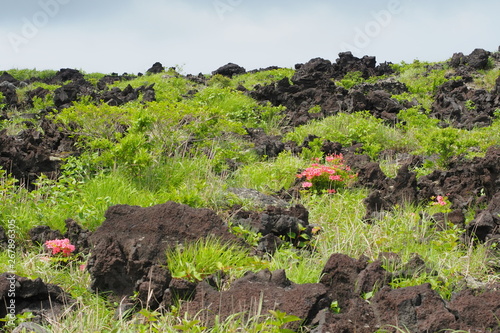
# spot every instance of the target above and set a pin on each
(359, 127)
(198, 260)
(25, 74)
(183, 148)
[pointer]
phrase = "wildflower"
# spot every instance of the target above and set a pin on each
(440, 201)
(60, 245)
(328, 177)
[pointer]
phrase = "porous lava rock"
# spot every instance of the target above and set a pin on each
(9, 93)
(486, 224)
(312, 86)
(277, 221)
(67, 74)
(464, 107)
(117, 96)
(347, 278)
(71, 92)
(418, 308)
(257, 293)
(465, 182)
(388, 192)
(478, 59)
(32, 153)
(6, 77)
(45, 301)
(229, 70)
(477, 310)
(4, 240)
(265, 145)
(128, 249)
(156, 68)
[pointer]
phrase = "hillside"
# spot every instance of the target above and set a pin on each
(337, 196)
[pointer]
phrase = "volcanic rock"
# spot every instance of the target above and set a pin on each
(156, 68)
(128, 249)
(45, 300)
(229, 70)
(257, 293)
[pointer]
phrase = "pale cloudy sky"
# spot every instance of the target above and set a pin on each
(201, 35)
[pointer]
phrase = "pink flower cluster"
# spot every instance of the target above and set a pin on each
(440, 201)
(322, 177)
(60, 245)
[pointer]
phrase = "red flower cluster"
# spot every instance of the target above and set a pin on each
(440, 201)
(327, 177)
(60, 245)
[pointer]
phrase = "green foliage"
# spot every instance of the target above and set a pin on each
(191, 149)
(12, 323)
(301, 265)
(195, 261)
(351, 79)
(2, 97)
(359, 127)
(470, 105)
(487, 79)
(263, 78)
(25, 74)
(422, 80)
(93, 78)
(268, 176)
(251, 237)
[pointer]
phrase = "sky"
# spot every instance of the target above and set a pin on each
(199, 36)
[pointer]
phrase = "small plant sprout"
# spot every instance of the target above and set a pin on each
(327, 177)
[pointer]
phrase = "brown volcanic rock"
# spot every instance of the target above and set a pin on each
(32, 153)
(45, 300)
(477, 311)
(464, 107)
(419, 309)
(313, 86)
(245, 295)
(129, 247)
(340, 275)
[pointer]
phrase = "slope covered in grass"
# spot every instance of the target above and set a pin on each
(200, 136)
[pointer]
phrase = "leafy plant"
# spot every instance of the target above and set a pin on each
(351, 79)
(328, 177)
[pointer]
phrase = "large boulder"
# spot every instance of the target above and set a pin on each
(19, 294)
(229, 70)
(128, 249)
